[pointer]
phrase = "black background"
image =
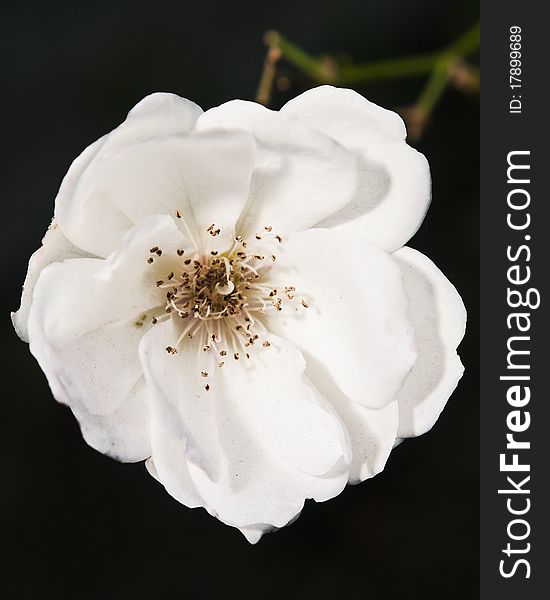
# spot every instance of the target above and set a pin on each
(78, 525)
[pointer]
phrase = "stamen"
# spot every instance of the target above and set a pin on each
(222, 297)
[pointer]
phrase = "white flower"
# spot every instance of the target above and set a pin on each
(226, 295)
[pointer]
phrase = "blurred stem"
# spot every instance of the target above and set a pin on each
(326, 70)
(265, 86)
(449, 67)
(443, 67)
(435, 85)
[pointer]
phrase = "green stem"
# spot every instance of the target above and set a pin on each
(387, 69)
(296, 56)
(436, 85)
(466, 43)
(325, 70)
(442, 70)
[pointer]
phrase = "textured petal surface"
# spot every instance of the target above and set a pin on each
(55, 247)
(204, 178)
(356, 327)
(88, 316)
(157, 116)
(254, 446)
(394, 188)
(439, 320)
(372, 431)
(122, 434)
(300, 175)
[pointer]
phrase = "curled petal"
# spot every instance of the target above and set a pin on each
(88, 316)
(155, 117)
(372, 431)
(300, 176)
(122, 434)
(356, 326)
(394, 188)
(55, 247)
(439, 320)
(254, 445)
(200, 179)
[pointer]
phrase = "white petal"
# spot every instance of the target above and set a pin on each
(55, 247)
(394, 187)
(253, 447)
(158, 115)
(372, 431)
(87, 318)
(439, 320)
(300, 176)
(254, 534)
(122, 434)
(203, 177)
(356, 327)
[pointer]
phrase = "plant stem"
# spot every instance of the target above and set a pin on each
(442, 67)
(326, 70)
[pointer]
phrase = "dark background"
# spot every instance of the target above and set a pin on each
(76, 524)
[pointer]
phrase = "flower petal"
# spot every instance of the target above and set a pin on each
(356, 326)
(122, 434)
(254, 446)
(88, 316)
(156, 116)
(439, 320)
(202, 178)
(55, 247)
(372, 431)
(394, 187)
(300, 176)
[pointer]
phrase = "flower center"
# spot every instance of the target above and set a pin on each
(223, 298)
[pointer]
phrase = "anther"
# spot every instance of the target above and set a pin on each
(180, 252)
(150, 260)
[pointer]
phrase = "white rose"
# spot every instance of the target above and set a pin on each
(227, 296)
